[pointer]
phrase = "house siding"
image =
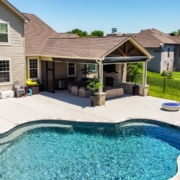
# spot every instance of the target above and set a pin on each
(161, 60)
(61, 70)
(165, 60)
(154, 63)
(15, 50)
(177, 58)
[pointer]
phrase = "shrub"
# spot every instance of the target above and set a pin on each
(94, 84)
(169, 74)
(164, 73)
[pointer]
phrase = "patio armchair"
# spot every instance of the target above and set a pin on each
(70, 85)
(84, 92)
(77, 83)
(75, 90)
(18, 89)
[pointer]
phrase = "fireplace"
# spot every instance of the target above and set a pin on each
(113, 78)
(109, 81)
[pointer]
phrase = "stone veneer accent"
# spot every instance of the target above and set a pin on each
(127, 86)
(101, 98)
(119, 80)
(124, 72)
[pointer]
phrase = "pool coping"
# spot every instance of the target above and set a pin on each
(177, 176)
(66, 122)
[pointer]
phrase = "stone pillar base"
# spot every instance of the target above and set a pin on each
(143, 90)
(101, 98)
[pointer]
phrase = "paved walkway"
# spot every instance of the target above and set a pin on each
(63, 105)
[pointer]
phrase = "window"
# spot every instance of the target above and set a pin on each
(71, 69)
(33, 68)
(168, 52)
(92, 67)
(179, 50)
(4, 32)
(167, 66)
(4, 71)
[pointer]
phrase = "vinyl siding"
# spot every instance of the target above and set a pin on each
(167, 60)
(177, 58)
(154, 63)
(16, 48)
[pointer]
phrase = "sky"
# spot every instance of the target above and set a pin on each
(128, 16)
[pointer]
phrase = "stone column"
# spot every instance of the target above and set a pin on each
(101, 98)
(100, 76)
(118, 68)
(145, 73)
(144, 91)
(124, 74)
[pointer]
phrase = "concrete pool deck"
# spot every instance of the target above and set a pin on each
(64, 106)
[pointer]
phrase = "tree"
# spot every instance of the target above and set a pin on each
(97, 33)
(175, 33)
(133, 74)
(79, 32)
(86, 70)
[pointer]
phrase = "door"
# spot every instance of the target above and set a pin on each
(50, 76)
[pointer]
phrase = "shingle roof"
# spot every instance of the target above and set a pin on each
(65, 35)
(37, 33)
(176, 39)
(153, 38)
(81, 47)
(42, 40)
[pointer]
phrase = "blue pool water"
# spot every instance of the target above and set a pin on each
(137, 152)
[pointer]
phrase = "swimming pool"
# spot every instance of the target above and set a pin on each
(132, 150)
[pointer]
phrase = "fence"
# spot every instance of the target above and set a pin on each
(166, 85)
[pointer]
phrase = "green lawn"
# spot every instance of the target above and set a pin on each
(168, 88)
(176, 75)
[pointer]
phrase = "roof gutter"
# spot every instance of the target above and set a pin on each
(119, 60)
(65, 57)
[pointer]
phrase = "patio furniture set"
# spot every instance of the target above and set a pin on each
(80, 89)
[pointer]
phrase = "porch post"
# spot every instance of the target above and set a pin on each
(144, 88)
(145, 73)
(101, 96)
(100, 76)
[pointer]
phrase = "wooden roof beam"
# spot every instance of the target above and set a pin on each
(130, 50)
(122, 52)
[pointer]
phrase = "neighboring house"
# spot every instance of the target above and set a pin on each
(159, 45)
(54, 57)
(177, 52)
(12, 50)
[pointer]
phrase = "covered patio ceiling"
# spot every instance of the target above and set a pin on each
(107, 60)
(117, 60)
